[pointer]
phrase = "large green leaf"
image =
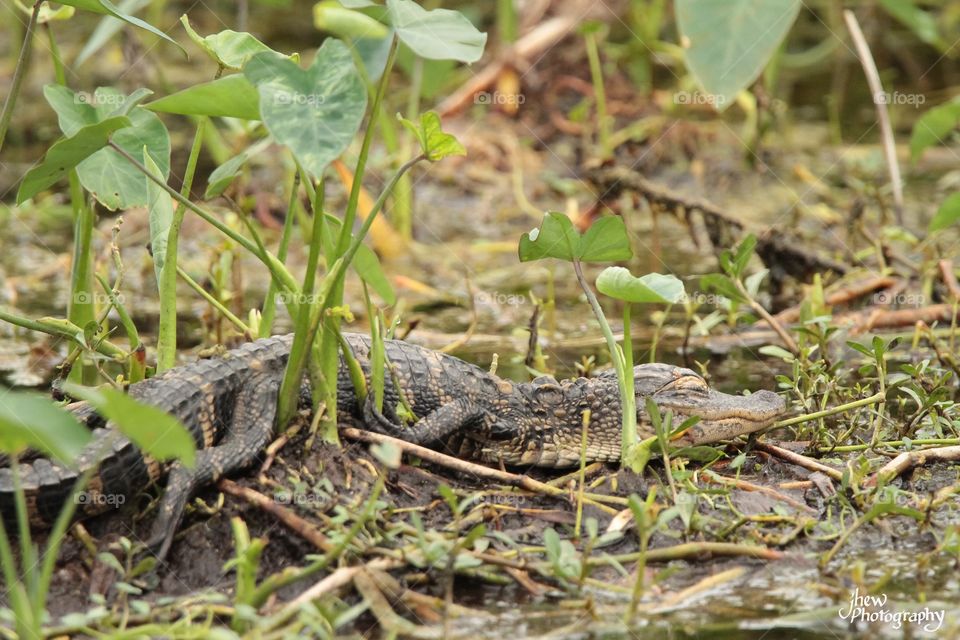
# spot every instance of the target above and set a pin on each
(619, 283)
(728, 42)
(67, 153)
(228, 48)
(153, 430)
(230, 96)
(440, 34)
(934, 127)
(29, 420)
(115, 182)
(605, 241)
(315, 112)
(105, 7)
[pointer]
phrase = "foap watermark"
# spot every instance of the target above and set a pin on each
(288, 297)
(868, 608)
(898, 98)
(497, 98)
(298, 98)
(701, 298)
(97, 499)
(300, 499)
(96, 297)
(698, 98)
(900, 299)
(97, 99)
(500, 299)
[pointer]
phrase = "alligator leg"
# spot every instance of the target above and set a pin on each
(255, 405)
(374, 419)
(449, 419)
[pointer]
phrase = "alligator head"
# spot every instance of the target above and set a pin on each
(685, 394)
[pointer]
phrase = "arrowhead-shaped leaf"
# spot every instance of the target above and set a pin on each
(106, 174)
(67, 153)
(315, 112)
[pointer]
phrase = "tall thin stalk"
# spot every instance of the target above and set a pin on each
(19, 73)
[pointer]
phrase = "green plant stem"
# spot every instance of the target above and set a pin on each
(277, 268)
(212, 300)
(270, 303)
(23, 62)
(350, 214)
(627, 399)
(600, 94)
(807, 417)
(339, 268)
(61, 329)
(304, 332)
(893, 444)
(167, 332)
(80, 307)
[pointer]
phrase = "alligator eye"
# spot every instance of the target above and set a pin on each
(687, 381)
(549, 394)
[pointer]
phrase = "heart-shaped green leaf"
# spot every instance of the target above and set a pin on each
(67, 153)
(440, 34)
(605, 241)
(29, 420)
(230, 97)
(728, 42)
(106, 174)
(153, 430)
(619, 283)
(315, 112)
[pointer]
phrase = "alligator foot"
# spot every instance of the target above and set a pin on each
(255, 407)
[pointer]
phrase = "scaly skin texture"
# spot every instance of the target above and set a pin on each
(229, 406)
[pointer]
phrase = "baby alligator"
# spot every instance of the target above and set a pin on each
(228, 404)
